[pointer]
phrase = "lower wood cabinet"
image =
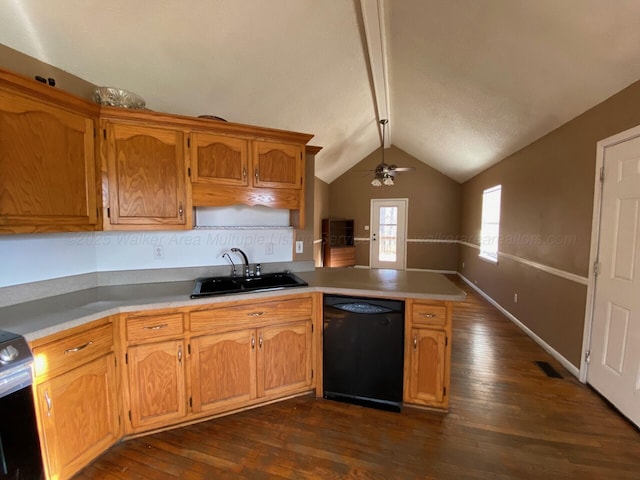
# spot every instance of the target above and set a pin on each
(156, 384)
(284, 359)
(427, 354)
(77, 400)
(223, 369)
(80, 419)
(232, 369)
(426, 378)
(182, 365)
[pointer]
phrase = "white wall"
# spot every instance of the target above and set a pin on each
(30, 258)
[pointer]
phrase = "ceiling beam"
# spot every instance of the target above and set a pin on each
(373, 19)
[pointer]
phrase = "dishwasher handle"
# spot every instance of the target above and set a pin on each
(362, 308)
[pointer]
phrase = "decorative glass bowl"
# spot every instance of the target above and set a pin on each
(116, 97)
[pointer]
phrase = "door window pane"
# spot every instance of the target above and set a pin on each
(388, 234)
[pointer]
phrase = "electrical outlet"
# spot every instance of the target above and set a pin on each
(299, 246)
(158, 252)
(515, 298)
(366, 228)
(268, 248)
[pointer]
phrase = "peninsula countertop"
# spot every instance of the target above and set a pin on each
(39, 318)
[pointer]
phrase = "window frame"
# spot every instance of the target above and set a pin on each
(490, 220)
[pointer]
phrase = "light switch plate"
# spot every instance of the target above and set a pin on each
(299, 246)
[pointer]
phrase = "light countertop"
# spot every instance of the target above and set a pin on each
(46, 316)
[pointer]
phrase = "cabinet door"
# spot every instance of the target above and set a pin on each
(47, 168)
(219, 160)
(427, 367)
(277, 165)
(146, 170)
(223, 370)
(284, 358)
(79, 416)
(156, 384)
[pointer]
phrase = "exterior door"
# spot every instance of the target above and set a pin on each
(388, 233)
(614, 367)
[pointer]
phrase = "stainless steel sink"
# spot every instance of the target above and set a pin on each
(208, 286)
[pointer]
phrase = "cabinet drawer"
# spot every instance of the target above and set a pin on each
(154, 327)
(72, 351)
(429, 314)
(251, 314)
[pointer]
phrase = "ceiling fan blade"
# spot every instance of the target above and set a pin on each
(404, 169)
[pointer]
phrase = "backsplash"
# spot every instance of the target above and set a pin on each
(31, 258)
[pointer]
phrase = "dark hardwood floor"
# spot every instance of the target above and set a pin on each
(507, 420)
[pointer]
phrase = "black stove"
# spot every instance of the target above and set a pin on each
(15, 363)
(20, 457)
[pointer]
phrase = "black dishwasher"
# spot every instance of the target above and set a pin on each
(363, 351)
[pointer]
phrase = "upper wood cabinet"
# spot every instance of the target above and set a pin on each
(146, 172)
(230, 170)
(219, 160)
(47, 160)
(225, 160)
(277, 165)
(67, 164)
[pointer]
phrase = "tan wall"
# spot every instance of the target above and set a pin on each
(547, 208)
(321, 210)
(307, 234)
(434, 207)
(30, 67)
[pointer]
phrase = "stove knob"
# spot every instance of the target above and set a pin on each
(8, 353)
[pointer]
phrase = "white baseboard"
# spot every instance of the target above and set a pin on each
(550, 350)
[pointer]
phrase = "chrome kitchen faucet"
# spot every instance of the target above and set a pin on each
(247, 268)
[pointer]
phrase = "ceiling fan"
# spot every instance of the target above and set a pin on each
(384, 173)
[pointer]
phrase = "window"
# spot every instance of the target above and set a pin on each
(490, 231)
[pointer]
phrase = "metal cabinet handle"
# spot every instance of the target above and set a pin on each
(180, 355)
(260, 341)
(255, 314)
(180, 210)
(415, 342)
(244, 172)
(428, 315)
(77, 349)
(48, 400)
(156, 327)
(257, 175)
(253, 342)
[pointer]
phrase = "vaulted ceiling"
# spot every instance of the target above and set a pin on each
(464, 83)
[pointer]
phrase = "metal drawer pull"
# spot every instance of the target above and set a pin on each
(255, 314)
(429, 315)
(48, 400)
(77, 349)
(415, 343)
(253, 343)
(180, 355)
(156, 327)
(260, 341)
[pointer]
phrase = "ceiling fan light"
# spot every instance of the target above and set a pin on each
(388, 181)
(376, 182)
